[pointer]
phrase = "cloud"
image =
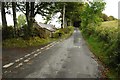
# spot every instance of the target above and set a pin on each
(111, 8)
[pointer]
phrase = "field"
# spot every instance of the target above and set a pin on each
(110, 23)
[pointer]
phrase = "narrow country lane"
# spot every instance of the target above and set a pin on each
(70, 58)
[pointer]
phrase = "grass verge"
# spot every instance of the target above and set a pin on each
(96, 47)
(33, 41)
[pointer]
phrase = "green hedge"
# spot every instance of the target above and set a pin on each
(107, 35)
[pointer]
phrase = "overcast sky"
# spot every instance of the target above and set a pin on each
(111, 8)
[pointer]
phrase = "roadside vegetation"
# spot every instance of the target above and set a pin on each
(99, 30)
(25, 32)
(102, 38)
(63, 33)
(104, 44)
(36, 40)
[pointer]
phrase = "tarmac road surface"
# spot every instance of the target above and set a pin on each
(69, 58)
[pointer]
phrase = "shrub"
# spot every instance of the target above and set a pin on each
(61, 32)
(21, 20)
(108, 35)
(24, 32)
(7, 32)
(58, 33)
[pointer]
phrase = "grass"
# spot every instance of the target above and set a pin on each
(33, 41)
(19, 42)
(98, 48)
(110, 24)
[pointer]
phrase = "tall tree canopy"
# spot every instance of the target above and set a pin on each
(91, 14)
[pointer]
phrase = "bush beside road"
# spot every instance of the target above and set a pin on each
(104, 43)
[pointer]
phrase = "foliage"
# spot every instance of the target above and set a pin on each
(7, 32)
(73, 11)
(107, 18)
(106, 43)
(111, 18)
(61, 32)
(91, 14)
(23, 41)
(20, 42)
(104, 17)
(21, 20)
(23, 27)
(58, 34)
(23, 32)
(104, 34)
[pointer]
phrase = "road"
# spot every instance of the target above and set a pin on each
(69, 58)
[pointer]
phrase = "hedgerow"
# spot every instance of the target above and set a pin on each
(105, 33)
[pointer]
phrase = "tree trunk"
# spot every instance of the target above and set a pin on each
(32, 4)
(28, 17)
(4, 22)
(65, 25)
(63, 16)
(14, 17)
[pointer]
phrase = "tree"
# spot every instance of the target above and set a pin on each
(70, 12)
(3, 14)
(21, 20)
(32, 15)
(28, 16)
(63, 16)
(91, 15)
(60, 7)
(73, 12)
(30, 9)
(110, 18)
(14, 17)
(104, 17)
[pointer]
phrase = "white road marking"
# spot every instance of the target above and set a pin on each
(21, 58)
(27, 55)
(53, 45)
(50, 46)
(17, 60)
(19, 65)
(47, 48)
(26, 60)
(38, 49)
(35, 55)
(8, 65)
(42, 48)
(77, 46)
(38, 53)
(33, 52)
(29, 58)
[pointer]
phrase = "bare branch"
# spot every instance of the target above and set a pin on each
(21, 9)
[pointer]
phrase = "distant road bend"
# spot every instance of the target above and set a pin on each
(70, 58)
